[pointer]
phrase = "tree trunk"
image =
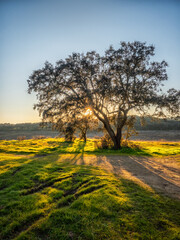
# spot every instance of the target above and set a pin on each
(117, 142)
(119, 137)
(116, 138)
(84, 135)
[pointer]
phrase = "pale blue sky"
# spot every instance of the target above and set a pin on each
(33, 31)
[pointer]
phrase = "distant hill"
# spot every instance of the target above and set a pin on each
(22, 127)
(163, 124)
(27, 130)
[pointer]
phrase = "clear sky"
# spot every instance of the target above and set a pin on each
(33, 31)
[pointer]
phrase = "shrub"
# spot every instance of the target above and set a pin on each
(20, 138)
(39, 137)
(69, 134)
(104, 143)
(97, 137)
(129, 144)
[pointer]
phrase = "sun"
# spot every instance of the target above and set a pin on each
(88, 112)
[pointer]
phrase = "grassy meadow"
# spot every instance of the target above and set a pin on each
(44, 196)
(58, 145)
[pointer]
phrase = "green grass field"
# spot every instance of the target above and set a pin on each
(58, 145)
(43, 197)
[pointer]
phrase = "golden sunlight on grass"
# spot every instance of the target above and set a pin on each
(56, 189)
(50, 145)
(128, 175)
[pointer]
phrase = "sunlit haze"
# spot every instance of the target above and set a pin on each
(32, 32)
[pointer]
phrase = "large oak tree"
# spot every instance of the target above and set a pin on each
(113, 86)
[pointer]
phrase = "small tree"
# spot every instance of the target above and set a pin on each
(81, 122)
(69, 131)
(84, 123)
(111, 86)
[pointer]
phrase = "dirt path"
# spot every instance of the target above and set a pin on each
(160, 174)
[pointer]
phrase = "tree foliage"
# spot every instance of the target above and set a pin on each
(112, 86)
(77, 122)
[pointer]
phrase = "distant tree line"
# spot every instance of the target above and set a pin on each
(22, 127)
(164, 124)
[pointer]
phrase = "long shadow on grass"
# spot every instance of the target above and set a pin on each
(27, 171)
(137, 168)
(18, 148)
(132, 167)
(42, 175)
(63, 148)
(18, 188)
(78, 185)
(142, 215)
(151, 210)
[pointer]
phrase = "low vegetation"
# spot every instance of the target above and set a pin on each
(58, 145)
(44, 196)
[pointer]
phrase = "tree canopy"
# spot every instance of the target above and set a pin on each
(114, 86)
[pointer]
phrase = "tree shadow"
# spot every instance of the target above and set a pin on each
(134, 168)
(138, 203)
